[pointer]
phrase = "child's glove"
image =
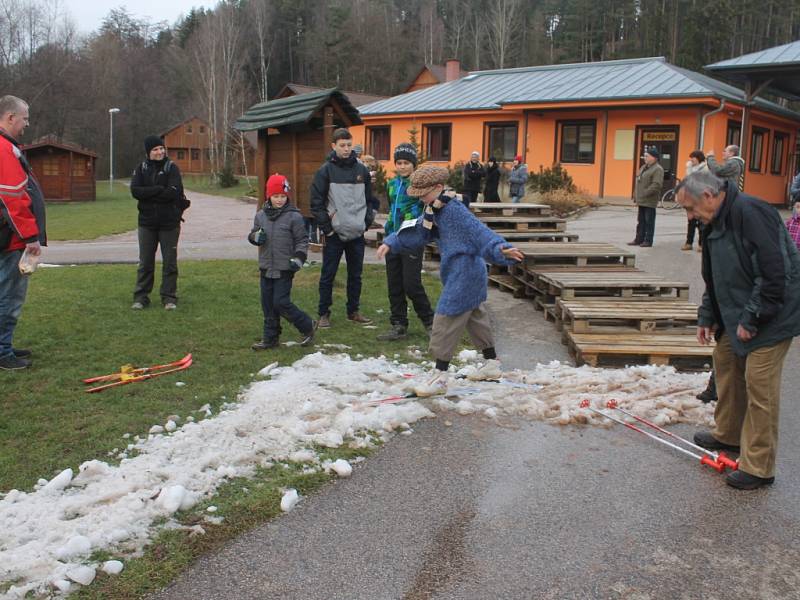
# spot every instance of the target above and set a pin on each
(259, 237)
(295, 264)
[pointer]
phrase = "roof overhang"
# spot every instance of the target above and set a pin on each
(296, 111)
(782, 79)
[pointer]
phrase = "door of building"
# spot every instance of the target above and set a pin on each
(665, 140)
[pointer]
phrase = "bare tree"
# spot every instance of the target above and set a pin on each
(502, 27)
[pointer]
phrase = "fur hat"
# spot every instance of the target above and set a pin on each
(427, 178)
(406, 151)
(150, 142)
(277, 184)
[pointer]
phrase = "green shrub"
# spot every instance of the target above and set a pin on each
(456, 178)
(226, 177)
(547, 180)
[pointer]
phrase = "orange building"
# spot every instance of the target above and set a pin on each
(593, 118)
(188, 145)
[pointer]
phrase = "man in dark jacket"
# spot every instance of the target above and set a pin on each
(474, 172)
(647, 193)
(732, 167)
(751, 306)
(22, 227)
(343, 208)
(157, 185)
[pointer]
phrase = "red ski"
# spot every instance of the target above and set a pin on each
(129, 374)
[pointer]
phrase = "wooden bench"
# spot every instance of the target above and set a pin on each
(624, 284)
(626, 316)
(580, 254)
(502, 224)
(680, 350)
(482, 209)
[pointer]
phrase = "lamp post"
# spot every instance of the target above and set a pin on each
(111, 112)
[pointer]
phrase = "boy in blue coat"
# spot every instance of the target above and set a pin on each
(466, 245)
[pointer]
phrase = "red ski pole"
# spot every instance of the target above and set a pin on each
(720, 457)
(704, 459)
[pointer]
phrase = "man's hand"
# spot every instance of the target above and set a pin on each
(709, 153)
(34, 248)
(513, 253)
(705, 335)
(383, 250)
(743, 334)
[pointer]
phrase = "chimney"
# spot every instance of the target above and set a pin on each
(452, 69)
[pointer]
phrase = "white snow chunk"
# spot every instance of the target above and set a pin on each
(211, 509)
(156, 429)
(466, 356)
(303, 456)
(125, 436)
(59, 482)
(174, 498)
(268, 369)
(62, 585)
(112, 567)
(290, 498)
(170, 426)
(342, 468)
(78, 545)
(81, 574)
(180, 383)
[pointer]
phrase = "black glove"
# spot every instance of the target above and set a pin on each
(295, 264)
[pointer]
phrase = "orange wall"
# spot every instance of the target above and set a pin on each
(541, 147)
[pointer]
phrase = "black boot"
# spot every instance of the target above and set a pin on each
(397, 332)
(710, 393)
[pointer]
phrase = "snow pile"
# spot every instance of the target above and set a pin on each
(50, 533)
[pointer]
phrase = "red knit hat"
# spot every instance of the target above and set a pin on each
(277, 184)
(518, 158)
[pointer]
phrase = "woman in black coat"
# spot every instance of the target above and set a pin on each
(492, 181)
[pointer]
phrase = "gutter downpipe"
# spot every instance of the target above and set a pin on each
(703, 123)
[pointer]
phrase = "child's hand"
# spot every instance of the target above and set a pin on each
(513, 253)
(259, 237)
(383, 250)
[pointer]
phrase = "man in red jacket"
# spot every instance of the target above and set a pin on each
(21, 227)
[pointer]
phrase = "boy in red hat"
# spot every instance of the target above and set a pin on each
(282, 239)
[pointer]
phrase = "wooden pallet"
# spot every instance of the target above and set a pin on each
(621, 316)
(518, 237)
(502, 224)
(533, 275)
(680, 350)
(624, 284)
(507, 283)
(580, 254)
(482, 209)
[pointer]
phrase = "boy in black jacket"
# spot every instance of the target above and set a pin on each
(157, 185)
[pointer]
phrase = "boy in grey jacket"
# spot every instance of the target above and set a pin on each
(280, 234)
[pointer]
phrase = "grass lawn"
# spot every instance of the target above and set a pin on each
(112, 212)
(202, 184)
(78, 322)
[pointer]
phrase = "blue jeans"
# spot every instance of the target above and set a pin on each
(13, 287)
(645, 225)
(353, 251)
(276, 302)
(516, 199)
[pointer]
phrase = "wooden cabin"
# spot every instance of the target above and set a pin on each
(431, 75)
(356, 98)
(595, 119)
(294, 137)
(65, 171)
(188, 146)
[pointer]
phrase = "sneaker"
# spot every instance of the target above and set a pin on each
(744, 481)
(489, 370)
(435, 385)
(357, 317)
(13, 363)
(686, 247)
(324, 321)
(706, 440)
(397, 332)
(137, 305)
(699, 248)
(20, 353)
(265, 345)
(170, 306)
(308, 338)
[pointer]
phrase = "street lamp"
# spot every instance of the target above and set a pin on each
(111, 112)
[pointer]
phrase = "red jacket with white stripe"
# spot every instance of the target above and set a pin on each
(18, 225)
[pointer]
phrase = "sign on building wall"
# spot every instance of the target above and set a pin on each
(659, 136)
(623, 144)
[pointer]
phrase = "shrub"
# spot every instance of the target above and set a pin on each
(456, 178)
(547, 180)
(564, 202)
(226, 177)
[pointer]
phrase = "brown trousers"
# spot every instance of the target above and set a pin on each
(749, 391)
(447, 331)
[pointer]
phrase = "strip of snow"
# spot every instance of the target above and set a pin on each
(48, 533)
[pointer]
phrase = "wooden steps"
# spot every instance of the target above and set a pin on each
(482, 209)
(625, 284)
(502, 224)
(601, 315)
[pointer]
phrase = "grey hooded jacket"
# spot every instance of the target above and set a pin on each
(287, 238)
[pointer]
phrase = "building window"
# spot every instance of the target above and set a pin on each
(50, 166)
(577, 141)
(195, 154)
(188, 129)
(757, 140)
(502, 141)
(778, 146)
(78, 167)
(378, 142)
(181, 154)
(437, 142)
(202, 128)
(733, 136)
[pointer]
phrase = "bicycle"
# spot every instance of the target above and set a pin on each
(668, 201)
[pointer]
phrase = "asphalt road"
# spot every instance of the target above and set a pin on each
(471, 510)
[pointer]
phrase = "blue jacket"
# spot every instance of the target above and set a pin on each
(466, 245)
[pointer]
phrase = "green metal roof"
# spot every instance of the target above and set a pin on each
(294, 110)
(779, 67)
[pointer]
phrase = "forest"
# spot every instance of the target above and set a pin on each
(216, 63)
